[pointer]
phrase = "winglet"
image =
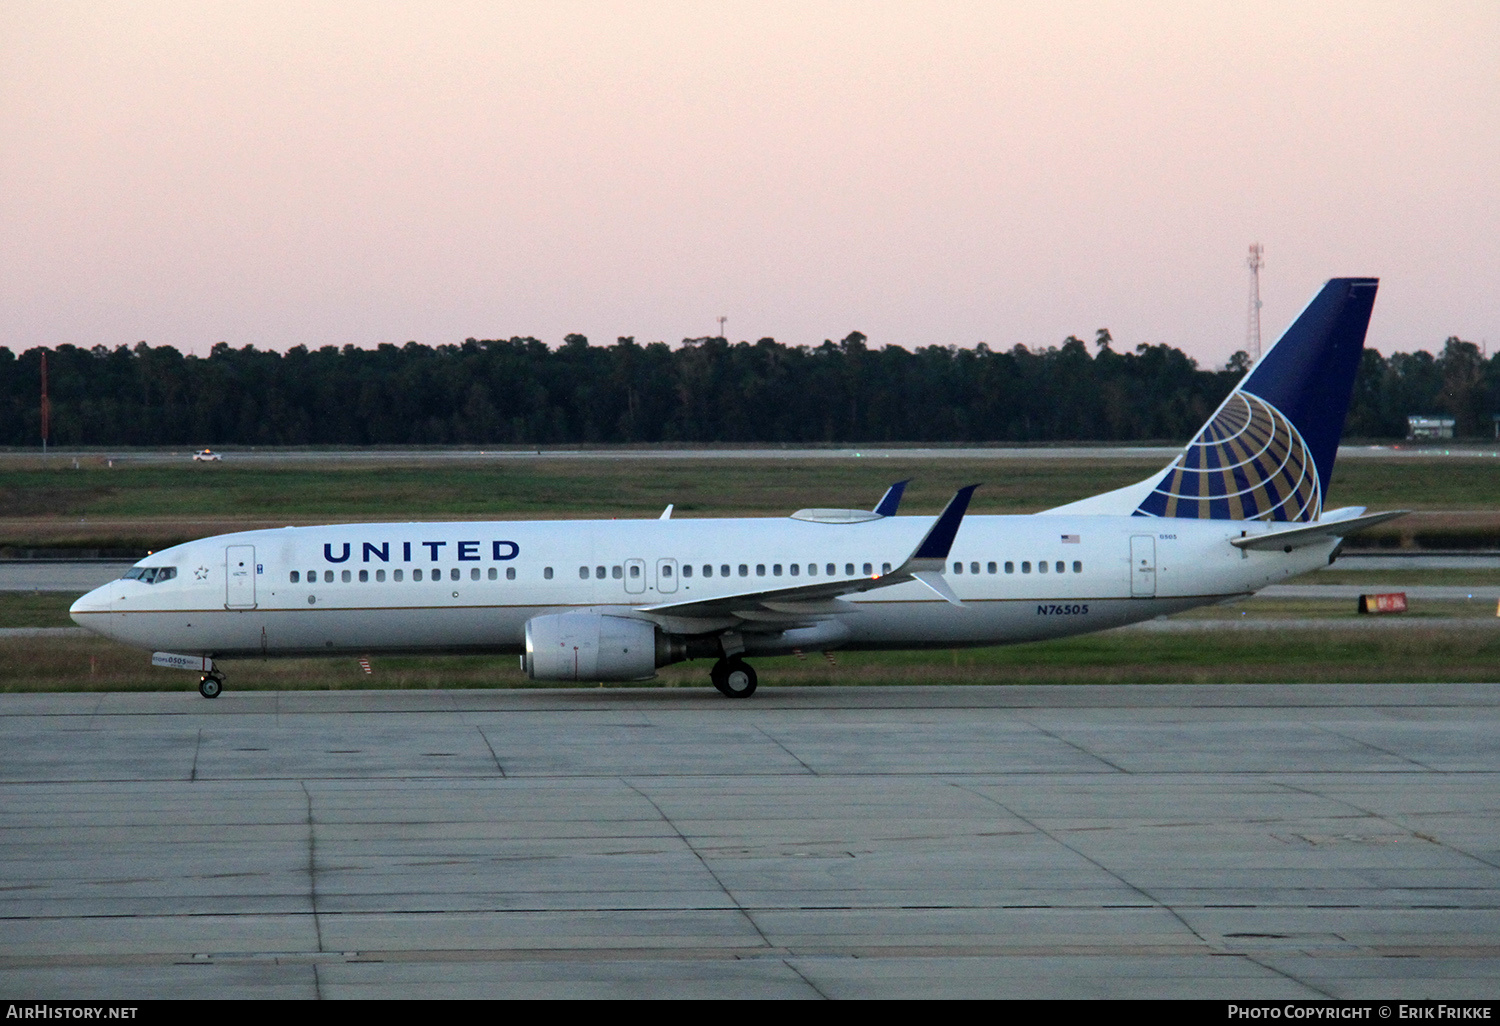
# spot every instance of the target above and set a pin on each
(666, 514)
(933, 549)
(892, 499)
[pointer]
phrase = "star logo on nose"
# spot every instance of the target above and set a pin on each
(201, 573)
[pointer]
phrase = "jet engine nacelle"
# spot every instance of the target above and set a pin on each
(590, 646)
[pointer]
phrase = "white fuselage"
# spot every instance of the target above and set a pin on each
(471, 587)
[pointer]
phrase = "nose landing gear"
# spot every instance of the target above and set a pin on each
(734, 677)
(210, 684)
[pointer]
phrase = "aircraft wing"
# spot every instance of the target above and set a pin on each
(1311, 534)
(781, 607)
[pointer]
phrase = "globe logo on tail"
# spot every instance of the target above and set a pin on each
(1248, 463)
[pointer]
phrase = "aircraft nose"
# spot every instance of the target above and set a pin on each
(96, 601)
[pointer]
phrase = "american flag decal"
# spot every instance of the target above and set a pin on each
(1070, 539)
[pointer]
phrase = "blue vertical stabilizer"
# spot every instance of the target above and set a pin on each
(1267, 453)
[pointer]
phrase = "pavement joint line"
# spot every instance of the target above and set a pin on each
(614, 775)
(1339, 951)
(1076, 747)
(1286, 974)
(312, 866)
(1157, 902)
(1371, 745)
(702, 860)
(777, 742)
(1397, 824)
(486, 738)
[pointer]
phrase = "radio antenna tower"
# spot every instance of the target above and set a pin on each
(46, 406)
(1252, 320)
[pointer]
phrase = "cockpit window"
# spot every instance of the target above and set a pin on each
(150, 574)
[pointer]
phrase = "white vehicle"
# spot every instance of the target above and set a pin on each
(1240, 508)
(206, 456)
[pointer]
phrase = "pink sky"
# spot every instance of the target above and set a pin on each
(369, 172)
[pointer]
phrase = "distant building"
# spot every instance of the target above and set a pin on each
(1418, 428)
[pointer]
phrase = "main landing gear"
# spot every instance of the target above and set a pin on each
(210, 684)
(733, 677)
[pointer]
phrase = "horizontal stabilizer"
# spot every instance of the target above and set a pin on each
(1311, 534)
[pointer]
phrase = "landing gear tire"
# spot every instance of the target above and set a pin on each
(210, 684)
(734, 678)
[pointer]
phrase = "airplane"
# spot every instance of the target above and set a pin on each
(614, 600)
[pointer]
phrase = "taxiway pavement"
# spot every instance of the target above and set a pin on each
(1258, 841)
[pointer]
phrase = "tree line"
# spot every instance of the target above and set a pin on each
(518, 391)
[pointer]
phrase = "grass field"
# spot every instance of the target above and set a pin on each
(150, 506)
(1441, 653)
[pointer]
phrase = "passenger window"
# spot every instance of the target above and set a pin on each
(848, 569)
(327, 576)
(1077, 567)
(687, 569)
(416, 575)
(776, 570)
(474, 574)
(832, 568)
(494, 573)
(510, 573)
(973, 568)
(1025, 567)
(885, 568)
(312, 577)
(760, 569)
(1010, 567)
(364, 576)
(869, 569)
(958, 568)
(708, 571)
(744, 570)
(991, 568)
(1041, 566)
(724, 570)
(812, 569)
(396, 575)
(635, 571)
(796, 569)
(1060, 566)
(296, 577)
(453, 574)
(583, 573)
(618, 573)
(380, 575)
(599, 573)
(666, 571)
(547, 572)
